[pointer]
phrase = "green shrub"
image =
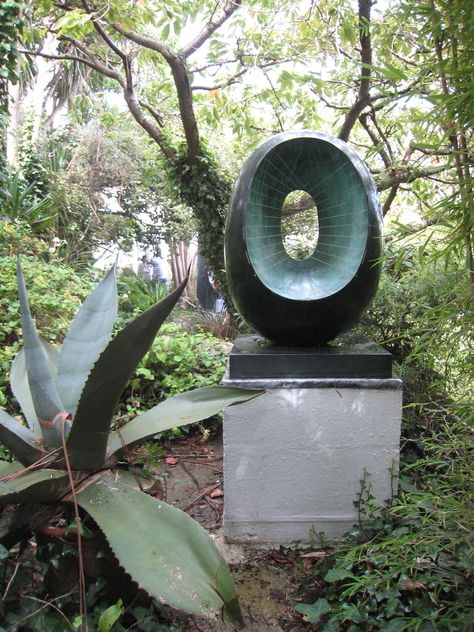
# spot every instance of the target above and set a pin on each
(177, 362)
(410, 567)
(137, 294)
(423, 315)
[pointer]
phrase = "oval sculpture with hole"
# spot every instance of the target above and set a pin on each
(303, 301)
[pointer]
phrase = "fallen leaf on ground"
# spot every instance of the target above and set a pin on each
(407, 583)
(171, 460)
(315, 554)
(216, 492)
(280, 558)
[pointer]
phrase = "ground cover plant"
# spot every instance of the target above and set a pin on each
(68, 452)
(411, 566)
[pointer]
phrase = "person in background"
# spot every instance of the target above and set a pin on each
(160, 269)
(144, 268)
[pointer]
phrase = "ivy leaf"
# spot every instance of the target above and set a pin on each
(312, 613)
(336, 574)
(110, 616)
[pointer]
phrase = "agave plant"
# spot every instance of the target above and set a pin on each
(70, 452)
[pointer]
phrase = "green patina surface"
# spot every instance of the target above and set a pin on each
(329, 176)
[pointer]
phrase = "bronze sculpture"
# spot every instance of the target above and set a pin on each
(304, 302)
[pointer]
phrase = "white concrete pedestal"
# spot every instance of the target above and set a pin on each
(295, 456)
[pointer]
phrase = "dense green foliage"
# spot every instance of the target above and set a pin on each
(10, 30)
(177, 362)
(411, 566)
(202, 186)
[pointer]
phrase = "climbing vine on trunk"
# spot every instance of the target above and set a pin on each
(205, 188)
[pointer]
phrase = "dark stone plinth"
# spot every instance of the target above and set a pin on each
(253, 357)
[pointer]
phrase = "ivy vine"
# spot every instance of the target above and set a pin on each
(205, 188)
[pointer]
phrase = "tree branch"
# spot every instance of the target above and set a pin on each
(228, 9)
(155, 114)
(363, 97)
(399, 174)
(390, 198)
(128, 92)
(177, 64)
(378, 145)
(93, 59)
(145, 41)
(228, 82)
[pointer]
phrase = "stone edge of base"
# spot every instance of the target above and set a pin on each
(393, 383)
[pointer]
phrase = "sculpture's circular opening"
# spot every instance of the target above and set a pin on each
(328, 175)
(299, 225)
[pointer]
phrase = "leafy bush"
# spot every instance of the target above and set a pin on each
(422, 314)
(137, 294)
(411, 566)
(177, 362)
(17, 236)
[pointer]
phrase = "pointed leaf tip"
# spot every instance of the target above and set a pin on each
(46, 401)
(177, 411)
(87, 441)
(88, 335)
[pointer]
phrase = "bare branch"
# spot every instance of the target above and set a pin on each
(213, 64)
(228, 9)
(93, 63)
(98, 64)
(228, 82)
(366, 61)
(102, 33)
(382, 134)
(145, 41)
(399, 174)
(377, 144)
(278, 101)
(155, 114)
(177, 64)
(390, 198)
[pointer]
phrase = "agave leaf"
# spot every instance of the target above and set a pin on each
(7, 468)
(87, 442)
(177, 411)
(46, 401)
(21, 441)
(88, 335)
(40, 486)
(21, 387)
(164, 550)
